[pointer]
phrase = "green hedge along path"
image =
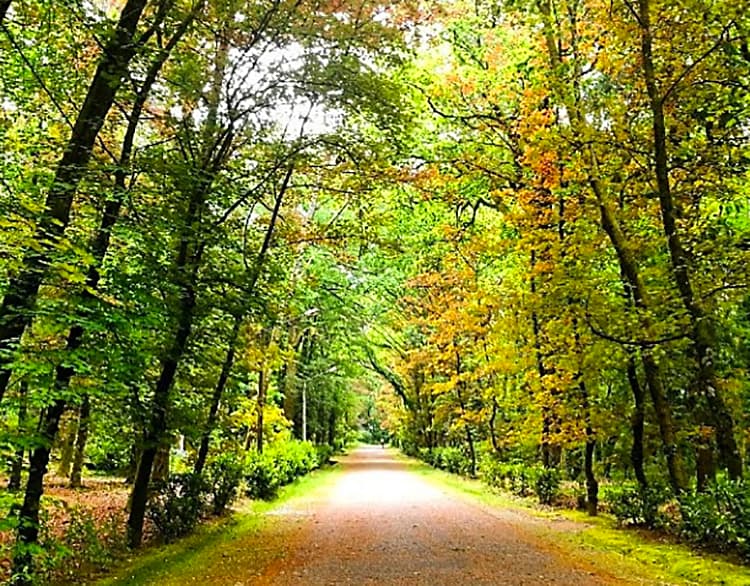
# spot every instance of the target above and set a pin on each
(378, 522)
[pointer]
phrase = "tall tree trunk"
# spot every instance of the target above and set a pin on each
(84, 417)
(20, 296)
(27, 534)
(4, 6)
(493, 431)
(637, 423)
(637, 290)
(14, 480)
(548, 452)
(213, 411)
(112, 206)
(703, 334)
(261, 408)
(592, 486)
(157, 427)
(69, 432)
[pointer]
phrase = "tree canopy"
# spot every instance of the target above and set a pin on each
(516, 229)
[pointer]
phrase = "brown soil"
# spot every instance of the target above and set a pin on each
(384, 525)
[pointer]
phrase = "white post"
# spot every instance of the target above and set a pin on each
(304, 410)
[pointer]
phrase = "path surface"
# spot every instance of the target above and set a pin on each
(382, 524)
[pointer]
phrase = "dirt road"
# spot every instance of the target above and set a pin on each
(385, 525)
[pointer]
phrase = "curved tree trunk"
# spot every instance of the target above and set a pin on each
(703, 334)
(20, 296)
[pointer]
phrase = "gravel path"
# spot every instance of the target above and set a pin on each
(385, 525)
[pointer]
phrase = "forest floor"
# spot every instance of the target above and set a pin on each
(383, 519)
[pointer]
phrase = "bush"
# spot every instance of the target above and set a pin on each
(262, 477)
(632, 505)
(450, 459)
(718, 518)
(224, 476)
(515, 477)
(90, 542)
(324, 453)
(546, 484)
(279, 465)
(175, 506)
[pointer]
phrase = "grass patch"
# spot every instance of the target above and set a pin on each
(222, 545)
(629, 555)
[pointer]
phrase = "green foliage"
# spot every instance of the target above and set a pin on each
(223, 477)
(176, 505)
(632, 505)
(515, 477)
(90, 542)
(451, 459)
(324, 453)
(546, 484)
(277, 466)
(718, 518)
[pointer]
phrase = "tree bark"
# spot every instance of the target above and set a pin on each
(213, 411)
(637, 291)
(4, 6)
(158, 424)
(703, 335)
(27, 534)
(69, 432)
(637, 424)
(14, 480)
(20, 296)
(100, 244)
(84, 417)
(592, 486)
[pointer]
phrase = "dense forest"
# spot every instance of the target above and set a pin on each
(511, 235)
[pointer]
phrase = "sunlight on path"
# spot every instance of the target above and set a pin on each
(385, 525)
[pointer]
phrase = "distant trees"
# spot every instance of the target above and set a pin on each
(585, 191)
(172, 171)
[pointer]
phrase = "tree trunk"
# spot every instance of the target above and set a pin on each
(637, 290)
(332, 428)
(592, 486)
(213, 411)
(261, 409)
(160, 471)
(27, 534)
(84, 417)
(705, 466)
(493, 431)
(20, 296)
(100, 244)
(69, 432)
(703, 335)
(14, 480)
(636, 424)
(158, 424)
(4, 6)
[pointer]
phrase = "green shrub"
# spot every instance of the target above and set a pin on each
(546, 484)
(262, 478)
(224, 475)
(324, 453)
(279, 465)
(176, 505)
(515, 477)
(491, 471)
(632, 505)
(718, 518)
